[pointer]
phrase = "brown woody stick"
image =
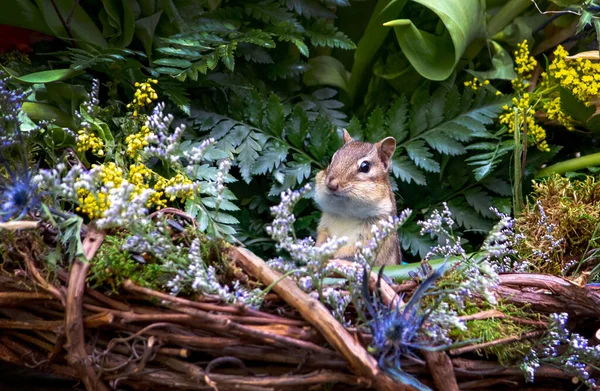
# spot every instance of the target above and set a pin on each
(78, 357)
(316, 314)
(441, 370)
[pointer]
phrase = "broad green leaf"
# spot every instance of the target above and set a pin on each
(81, 26)
(369, 45)
(144, 31)
(328, 71)
(118, 22)
(574, 107)
(502, 65)
(44, 76)
(23, 13)
(435, 56)
(45, 112)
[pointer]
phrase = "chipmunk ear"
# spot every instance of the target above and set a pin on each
(385, 149)
(347, 137)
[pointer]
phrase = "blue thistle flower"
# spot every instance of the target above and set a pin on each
(397, 332)
(17, 192)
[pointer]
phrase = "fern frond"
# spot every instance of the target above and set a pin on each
(323, 33)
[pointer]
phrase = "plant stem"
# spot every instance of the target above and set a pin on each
(571, 165)
(517, 173)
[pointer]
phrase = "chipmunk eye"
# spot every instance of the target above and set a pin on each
(364, 167)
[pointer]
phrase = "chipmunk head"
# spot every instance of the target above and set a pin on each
(356, 182)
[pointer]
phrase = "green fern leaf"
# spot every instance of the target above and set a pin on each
(413, 241)
(323, 33)
(443, 144)
(480, 201)
(320, 137)
(468, 218)
(177, 93)
(297, 127)
(173, 62)
(275, 117)
(248, 153)
(309, 9)
(273, 155)
(405, 170)
(319, 103)
(270, 12)
(397, 119)
(375, 127)
(419, 153)
(498, 186)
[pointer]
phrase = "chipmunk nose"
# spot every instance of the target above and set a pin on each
(332, 184)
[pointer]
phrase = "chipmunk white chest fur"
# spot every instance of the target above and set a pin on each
(354, 193)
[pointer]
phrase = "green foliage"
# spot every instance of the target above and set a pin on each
(112, 266)
(250, 30)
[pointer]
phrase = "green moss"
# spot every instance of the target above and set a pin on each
(487, 330)
(572, 210)
(111, 267)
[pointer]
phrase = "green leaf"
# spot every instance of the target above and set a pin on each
(310, 9)
(81, 26)
(369, 45)
(375, 128)
(144, 31)
(275, 116)
(44, 76)
(319, 139)
(270, 159)
(120, 32)
(413, 241)
(466, 217)
(420, 154)
(574, 107)
(397, 119)
(326, 70)
(173, 62)
(23, 13)
(297, 127)
(444, 144)
(480, 201)
(248, 152)
(405, 170)
(323, 33)
(435, 56)
(502, 65)
(45, 112)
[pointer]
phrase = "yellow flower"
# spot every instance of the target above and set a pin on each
(87, 140)
(136, 142)
(144, 95)
(581, 76)
(554, 112)
(475, 84)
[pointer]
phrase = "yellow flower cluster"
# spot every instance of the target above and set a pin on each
(136, 142)
(525, 109)
(144, 95)
(182, 184)
(14, 56)
(524, 66)
(475, 84)
(87, 140)
(95, 204)
(554, 112)
(580, 76)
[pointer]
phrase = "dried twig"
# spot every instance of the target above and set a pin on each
(77, 356)
(317, 315)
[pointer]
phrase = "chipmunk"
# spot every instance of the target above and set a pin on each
(354, 193)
